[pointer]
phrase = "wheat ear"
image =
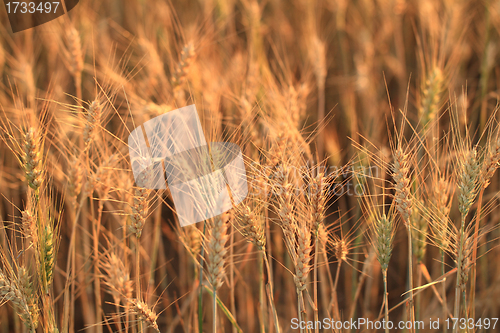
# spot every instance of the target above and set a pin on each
(217, 251)
(47, 257)
(467, 183)
(92, 120)
(489, 167)
(384, 236)
(431, 96)
(467, 190)
(117, 279)
(11, 291)
(75, 59)
(182, 69)
(401, 170)
(144, 314)
(318, 200)
(32, 161)
(252, 228)
(140, 206)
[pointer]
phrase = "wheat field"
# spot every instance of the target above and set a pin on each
(370, 135)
